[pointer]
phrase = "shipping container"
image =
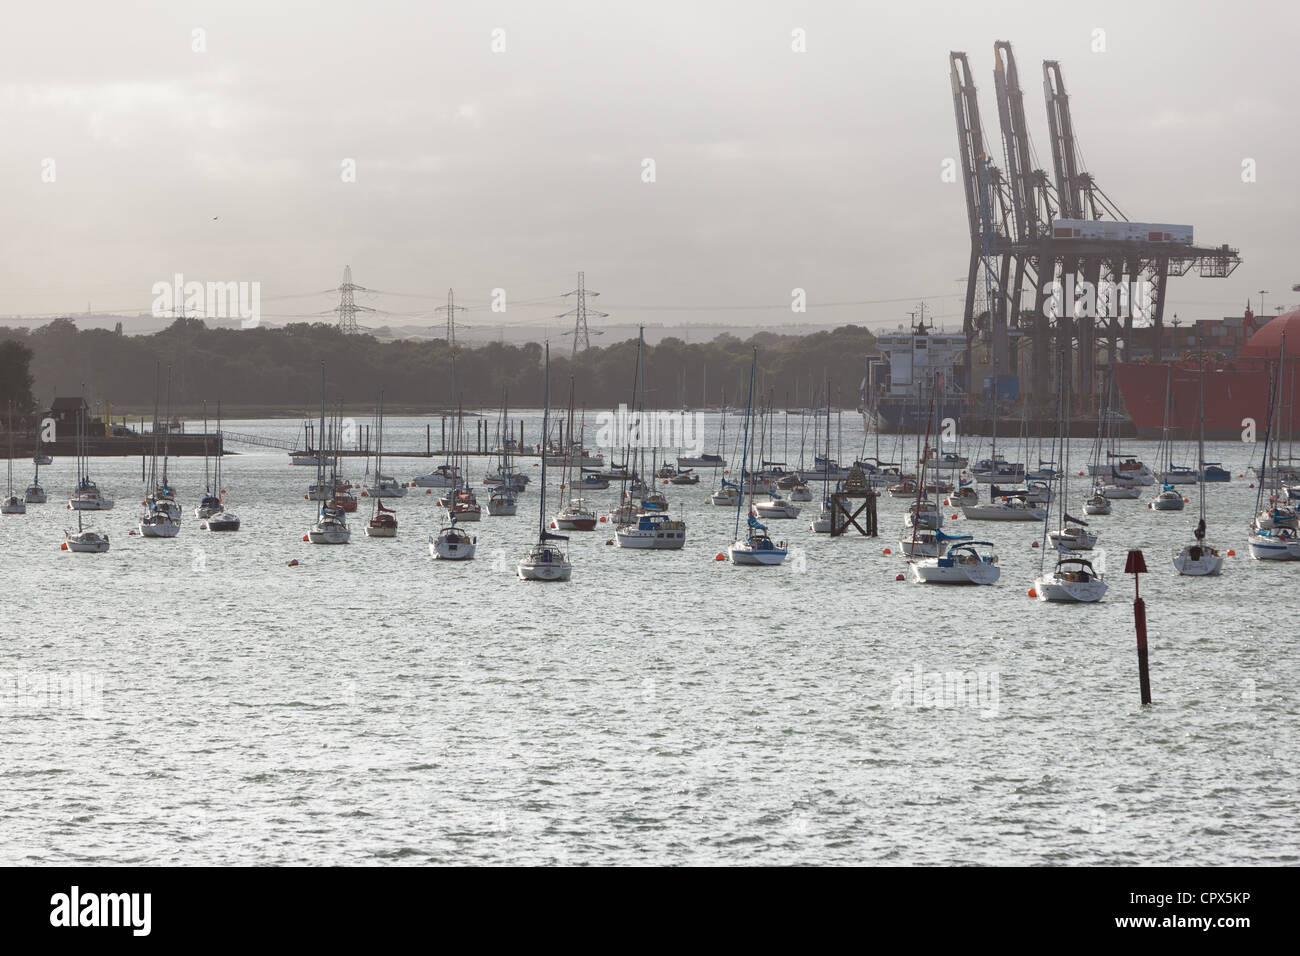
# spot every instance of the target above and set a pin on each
(1109, 231)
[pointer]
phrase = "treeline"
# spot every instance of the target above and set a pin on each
(281, 367)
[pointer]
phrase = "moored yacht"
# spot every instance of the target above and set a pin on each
(652, 531)
(962, 564)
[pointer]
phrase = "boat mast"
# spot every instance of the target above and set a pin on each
(744, 454)
(320, 451)
(546, 414)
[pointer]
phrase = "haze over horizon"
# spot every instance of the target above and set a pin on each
(515, 169)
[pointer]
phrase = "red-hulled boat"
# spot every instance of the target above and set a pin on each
(1236, 391)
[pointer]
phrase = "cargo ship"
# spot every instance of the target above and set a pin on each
(899, 384)
(1236, 390)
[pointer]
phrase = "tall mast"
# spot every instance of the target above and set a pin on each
(744, 453)
(320, 451)
(546, 415)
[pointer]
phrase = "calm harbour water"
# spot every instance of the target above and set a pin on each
(373, 705)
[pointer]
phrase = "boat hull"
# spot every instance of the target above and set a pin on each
(1198, 561)
(930, 572)
(1053, 588)
(544, 571)
(90, 504)
(87, 543)
(745, 555)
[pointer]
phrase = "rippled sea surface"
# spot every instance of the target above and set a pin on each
(199, 701)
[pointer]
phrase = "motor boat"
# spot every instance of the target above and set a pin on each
(962, 564)
(1214, 471)
(801, 492)
(1073, 579)
(654, 531)
(701, 461)
(687, 477)
(444, 476)
(1003, 509)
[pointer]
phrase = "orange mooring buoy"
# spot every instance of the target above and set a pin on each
(603, 518)
(1033, 593)
(719, 557)
(293, 563)
(1231, 553)
(1034, 545)
(306, 538)
(898, 578)
(64, 546)
(887, 551)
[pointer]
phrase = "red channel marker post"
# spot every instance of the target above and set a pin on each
(1137, 565)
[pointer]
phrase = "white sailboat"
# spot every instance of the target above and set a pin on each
(383, 521)
(210, 503)
(1073, 579)
(503, 497)
(35, 494)
(13, 504)
(452, 544)
(86, 496)
(224, 519)
(963, 563)
(160, 517)
(545, 561)
(756, 548)
(331, 526)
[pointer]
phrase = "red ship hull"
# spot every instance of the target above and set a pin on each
(1236, 395)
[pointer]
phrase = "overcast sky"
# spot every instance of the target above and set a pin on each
(479, 169)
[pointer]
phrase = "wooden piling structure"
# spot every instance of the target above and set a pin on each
(844, 515)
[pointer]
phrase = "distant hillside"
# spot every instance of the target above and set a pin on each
(281, 367)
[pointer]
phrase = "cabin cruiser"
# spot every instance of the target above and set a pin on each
(652, 531)
(444, 476)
